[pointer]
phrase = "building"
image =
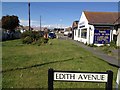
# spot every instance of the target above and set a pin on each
(74, 28)
(117, 28)
(96, 28)
(46, 32)
(118, 37)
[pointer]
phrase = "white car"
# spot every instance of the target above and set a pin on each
(66, 33)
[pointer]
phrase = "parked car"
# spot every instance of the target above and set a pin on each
(69, 35)
(66, 33)
(52, 35)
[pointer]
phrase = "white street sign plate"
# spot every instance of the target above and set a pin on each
(90, 77)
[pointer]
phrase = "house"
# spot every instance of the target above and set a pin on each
(118, 36)
(46, 32)
(96, 27)
(74, 28)
(117, 33)
(26, 28)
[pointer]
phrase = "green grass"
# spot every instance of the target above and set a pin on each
(30, 64)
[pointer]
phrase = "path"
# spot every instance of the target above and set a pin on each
(110, 59)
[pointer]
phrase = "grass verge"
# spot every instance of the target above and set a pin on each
(26, 66)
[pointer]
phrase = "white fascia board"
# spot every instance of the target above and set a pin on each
(83, 20)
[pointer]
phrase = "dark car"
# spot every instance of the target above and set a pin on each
(51, 35)
(69, 35)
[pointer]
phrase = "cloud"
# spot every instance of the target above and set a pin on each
(55, 26)
(26, 22)
(35, 23)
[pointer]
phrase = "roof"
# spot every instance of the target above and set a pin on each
(117, 21)
(75, 24)
(101, 17)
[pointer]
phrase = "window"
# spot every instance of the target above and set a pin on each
(78, 32)
(75, 32)
(84, 33)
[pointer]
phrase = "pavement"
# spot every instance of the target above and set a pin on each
(100, 54)
(112, 60)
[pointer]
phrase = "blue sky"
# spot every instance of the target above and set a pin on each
(54, 13)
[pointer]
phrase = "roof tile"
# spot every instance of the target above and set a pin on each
(101, 17)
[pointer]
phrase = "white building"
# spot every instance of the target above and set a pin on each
(95, 27)
(117, 27)
(118, 37)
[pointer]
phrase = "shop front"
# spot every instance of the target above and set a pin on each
(93, 29)
(102, 36)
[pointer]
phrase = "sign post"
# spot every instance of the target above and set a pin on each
(109, 82)
(118, 79)
(50, 79)
(75, 76)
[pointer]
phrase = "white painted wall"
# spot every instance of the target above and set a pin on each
(118, 37)
(76, 35)
(90, 30)
(91, 34)
(83, 22)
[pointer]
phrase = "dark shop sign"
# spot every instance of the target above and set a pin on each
(101, 36)
(75, 76)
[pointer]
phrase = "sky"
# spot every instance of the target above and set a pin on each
(54, 14)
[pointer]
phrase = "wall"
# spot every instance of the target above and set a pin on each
(83, 24)
(10, 36)
(76, 34)
(118, 37)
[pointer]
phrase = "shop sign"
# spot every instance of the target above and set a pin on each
(101, 36)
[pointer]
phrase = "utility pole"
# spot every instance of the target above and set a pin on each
(40, 22)
(29, 14)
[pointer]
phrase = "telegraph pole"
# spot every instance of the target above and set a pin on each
(29, 14)
(40, 22)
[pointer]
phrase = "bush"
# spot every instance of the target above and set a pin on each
(113, 44)
(39, 42)
(42, 41)
(25, 34)
(45, 40)
(33, 37)
(27, 40)
(92, 45)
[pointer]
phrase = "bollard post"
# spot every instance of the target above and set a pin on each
(110, 79)
(118, 79)
(50, 79)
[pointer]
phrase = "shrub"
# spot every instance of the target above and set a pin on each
(42, 41)
(39, 41)
(25, 34)
(45, 40)
(33, 37)
(113, 44)
(92, 45)
(27, 40)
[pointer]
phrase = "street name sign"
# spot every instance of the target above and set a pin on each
(89, 77)
(76, 76)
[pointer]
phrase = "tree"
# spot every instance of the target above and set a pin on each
(10, 22)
